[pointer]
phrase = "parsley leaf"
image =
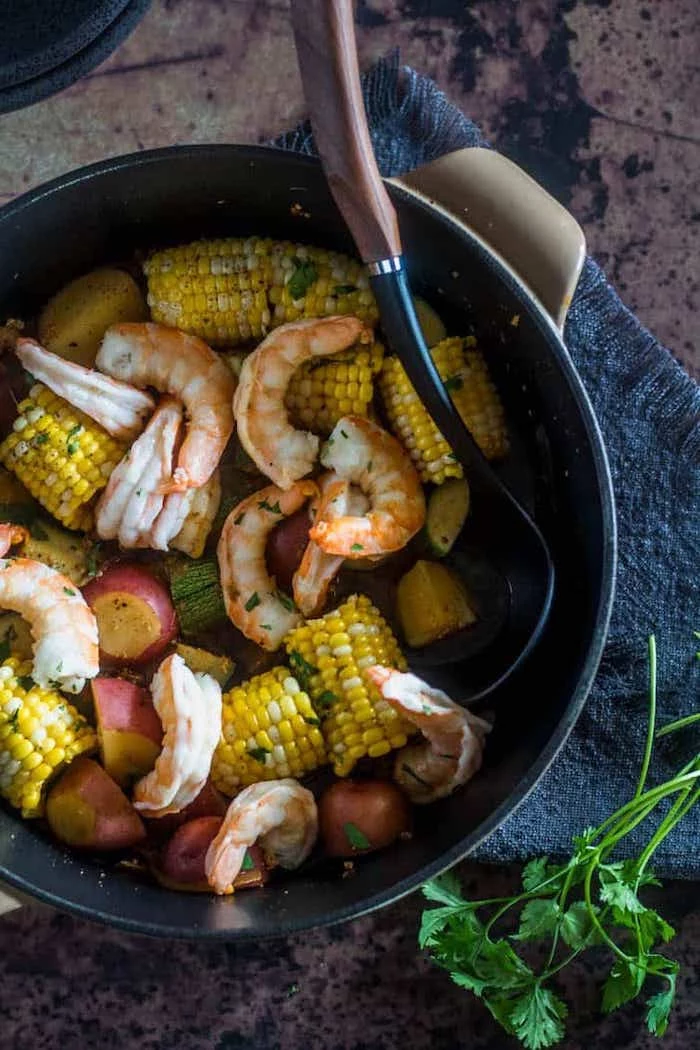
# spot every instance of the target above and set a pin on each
(273, 508)
(26, 682)
(534, 873)
(588, 901)
(326, 699)
(252, 602)
(659, 1009)
(537, 919)
(286, 601)
(69, 591)
(248, 862)
(537, 1018)
(344, 289)
(356, 838)
(453, 383)
(302, 278)
(258, 753)
(357, 547)
(303, 670)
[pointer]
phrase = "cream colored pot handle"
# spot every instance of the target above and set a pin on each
(8, 903)
(534, 235)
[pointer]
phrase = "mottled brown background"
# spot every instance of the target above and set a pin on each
(600, 100)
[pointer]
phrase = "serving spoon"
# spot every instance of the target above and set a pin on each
(502, 553)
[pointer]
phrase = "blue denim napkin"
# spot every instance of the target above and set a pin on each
(649, 413)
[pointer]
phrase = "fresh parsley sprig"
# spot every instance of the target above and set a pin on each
(589, 900)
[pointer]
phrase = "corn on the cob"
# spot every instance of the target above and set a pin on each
(229, 291)
(463, 368)
(324, 390)
(330, 656)
(39, 733)
(60, 455)
(269, 730)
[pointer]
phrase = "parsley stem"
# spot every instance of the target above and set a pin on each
(680, 723)
(561, 900)
(685, 801)
(644, 771)
(642, 801)
(591, 910)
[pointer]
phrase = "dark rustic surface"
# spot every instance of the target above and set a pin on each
(599, 101)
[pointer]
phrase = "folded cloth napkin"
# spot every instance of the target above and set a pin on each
(649, 413)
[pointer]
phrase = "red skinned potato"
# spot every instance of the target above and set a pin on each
(358, 816)
(181, 864)
(135, 617)
(128, 728)
(285, 548)
(86, 809)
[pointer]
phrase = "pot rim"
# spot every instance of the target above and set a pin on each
(601, 617)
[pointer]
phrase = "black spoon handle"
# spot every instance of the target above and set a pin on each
(324, 32)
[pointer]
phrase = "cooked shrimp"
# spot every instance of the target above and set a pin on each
(201, 511)
(119, 408)
(312, 579)
(134, 497)
(454, 737)
(184, 366)
(281, 452)
(189, 706)
(280, 815)
(252, 600)
(63, 625)
(10, 536)
(362, 453)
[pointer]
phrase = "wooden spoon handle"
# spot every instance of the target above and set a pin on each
(324, 31)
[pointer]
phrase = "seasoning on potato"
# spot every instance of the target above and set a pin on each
(73, 322)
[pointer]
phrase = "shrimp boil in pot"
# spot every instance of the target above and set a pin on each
(63, 626)
(253, 603)
(337, 499)
(281, 452)
(363, 454)
(184, 366)
(131, 503)
(120, 409)
(189, 707)
(279, 815)
(454, 737)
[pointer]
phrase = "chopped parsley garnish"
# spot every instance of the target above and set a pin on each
(312, 721)
(286, 602)
(72, 447)
(13, 720)
(239, 519)
(252, 602)
(248, 862)
(304, 275)
(344, 289)
(454, 383)
(301, 667)
(266, 626)
(75, 430)
(343, 433)
(273, 508)
(356, 838)
(69, 591)
(4, 649)
(357, 547)
(259, 754)
(326, 699)
(40, 439)
(26, 682)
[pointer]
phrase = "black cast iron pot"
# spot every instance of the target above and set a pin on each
(558, 468)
